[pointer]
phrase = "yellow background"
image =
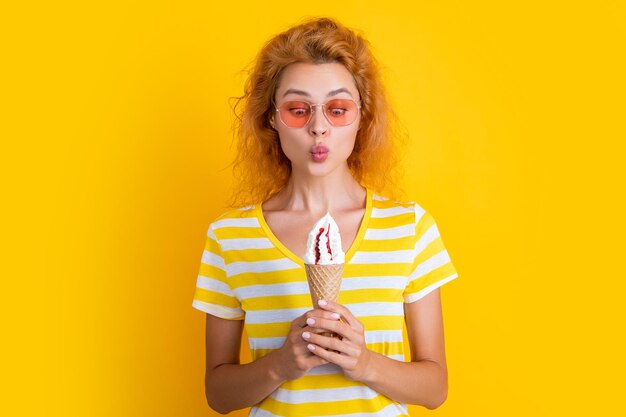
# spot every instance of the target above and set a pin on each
(115, 129)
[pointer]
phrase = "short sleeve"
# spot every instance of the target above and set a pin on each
(213, 294)
(432, 266)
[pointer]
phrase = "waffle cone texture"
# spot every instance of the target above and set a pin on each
(324, 282)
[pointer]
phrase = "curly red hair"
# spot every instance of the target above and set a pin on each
(261, 168)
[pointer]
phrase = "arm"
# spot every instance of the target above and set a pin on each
(423, 381)
(229, 385)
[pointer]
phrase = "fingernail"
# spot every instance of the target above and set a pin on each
(310, 321)
(335, 316)
(306, 335)
(310, 347)
(322, 303)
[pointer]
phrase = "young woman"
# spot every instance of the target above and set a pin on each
(315, 137)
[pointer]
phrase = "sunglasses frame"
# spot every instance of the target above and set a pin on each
(312, 106)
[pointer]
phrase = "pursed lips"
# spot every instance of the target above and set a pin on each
(319, 153)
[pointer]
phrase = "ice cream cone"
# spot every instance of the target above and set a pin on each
(324, 283)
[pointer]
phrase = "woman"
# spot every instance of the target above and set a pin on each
(315, 138)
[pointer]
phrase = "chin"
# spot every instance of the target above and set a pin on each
(323, 169)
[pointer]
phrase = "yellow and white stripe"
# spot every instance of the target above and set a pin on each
(247, 274)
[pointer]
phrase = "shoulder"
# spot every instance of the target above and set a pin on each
(387, 206)
(233, 220)
(381, 201)
(404, 212)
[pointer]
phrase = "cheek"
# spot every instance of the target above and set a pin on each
(349, 142)
(288, 145)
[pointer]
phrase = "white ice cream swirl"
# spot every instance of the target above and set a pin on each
(324, 243)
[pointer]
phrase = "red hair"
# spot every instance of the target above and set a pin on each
(261, 168)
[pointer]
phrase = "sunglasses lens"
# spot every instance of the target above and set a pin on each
(295, 113)
(341, 112)
(338, 112)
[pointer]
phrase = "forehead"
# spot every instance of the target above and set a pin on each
(316, 81)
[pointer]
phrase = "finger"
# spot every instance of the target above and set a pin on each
(332, 343)
(315, 321)
(327, 355)
(343, 311)
(315, 360)
(319, 313)
(315, 330)
(339, 327)
(300, 321)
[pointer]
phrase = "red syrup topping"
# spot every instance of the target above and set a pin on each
(328, 242)
(317, 245)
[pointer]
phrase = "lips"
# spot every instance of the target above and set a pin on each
(319, 153)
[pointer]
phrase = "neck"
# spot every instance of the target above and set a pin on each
(319, 195)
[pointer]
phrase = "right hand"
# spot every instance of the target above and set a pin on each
(294, 358)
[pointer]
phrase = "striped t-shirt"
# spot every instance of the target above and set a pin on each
(246, 273)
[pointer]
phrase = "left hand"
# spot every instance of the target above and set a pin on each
(348, 350)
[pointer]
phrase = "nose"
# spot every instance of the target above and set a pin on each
(318, 125)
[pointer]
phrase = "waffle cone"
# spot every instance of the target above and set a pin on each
(324, 284)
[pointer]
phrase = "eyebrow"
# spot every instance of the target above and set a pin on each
(304, 93)
(295, 91)
(339, 90)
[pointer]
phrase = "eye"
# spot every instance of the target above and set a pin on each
(336, 112)
(297, 109)
(339, 108)
(298, 112)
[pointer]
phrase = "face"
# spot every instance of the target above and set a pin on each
(319, 147)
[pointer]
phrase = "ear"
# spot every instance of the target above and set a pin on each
(272, 123)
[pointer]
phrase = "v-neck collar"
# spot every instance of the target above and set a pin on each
(258, 212)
